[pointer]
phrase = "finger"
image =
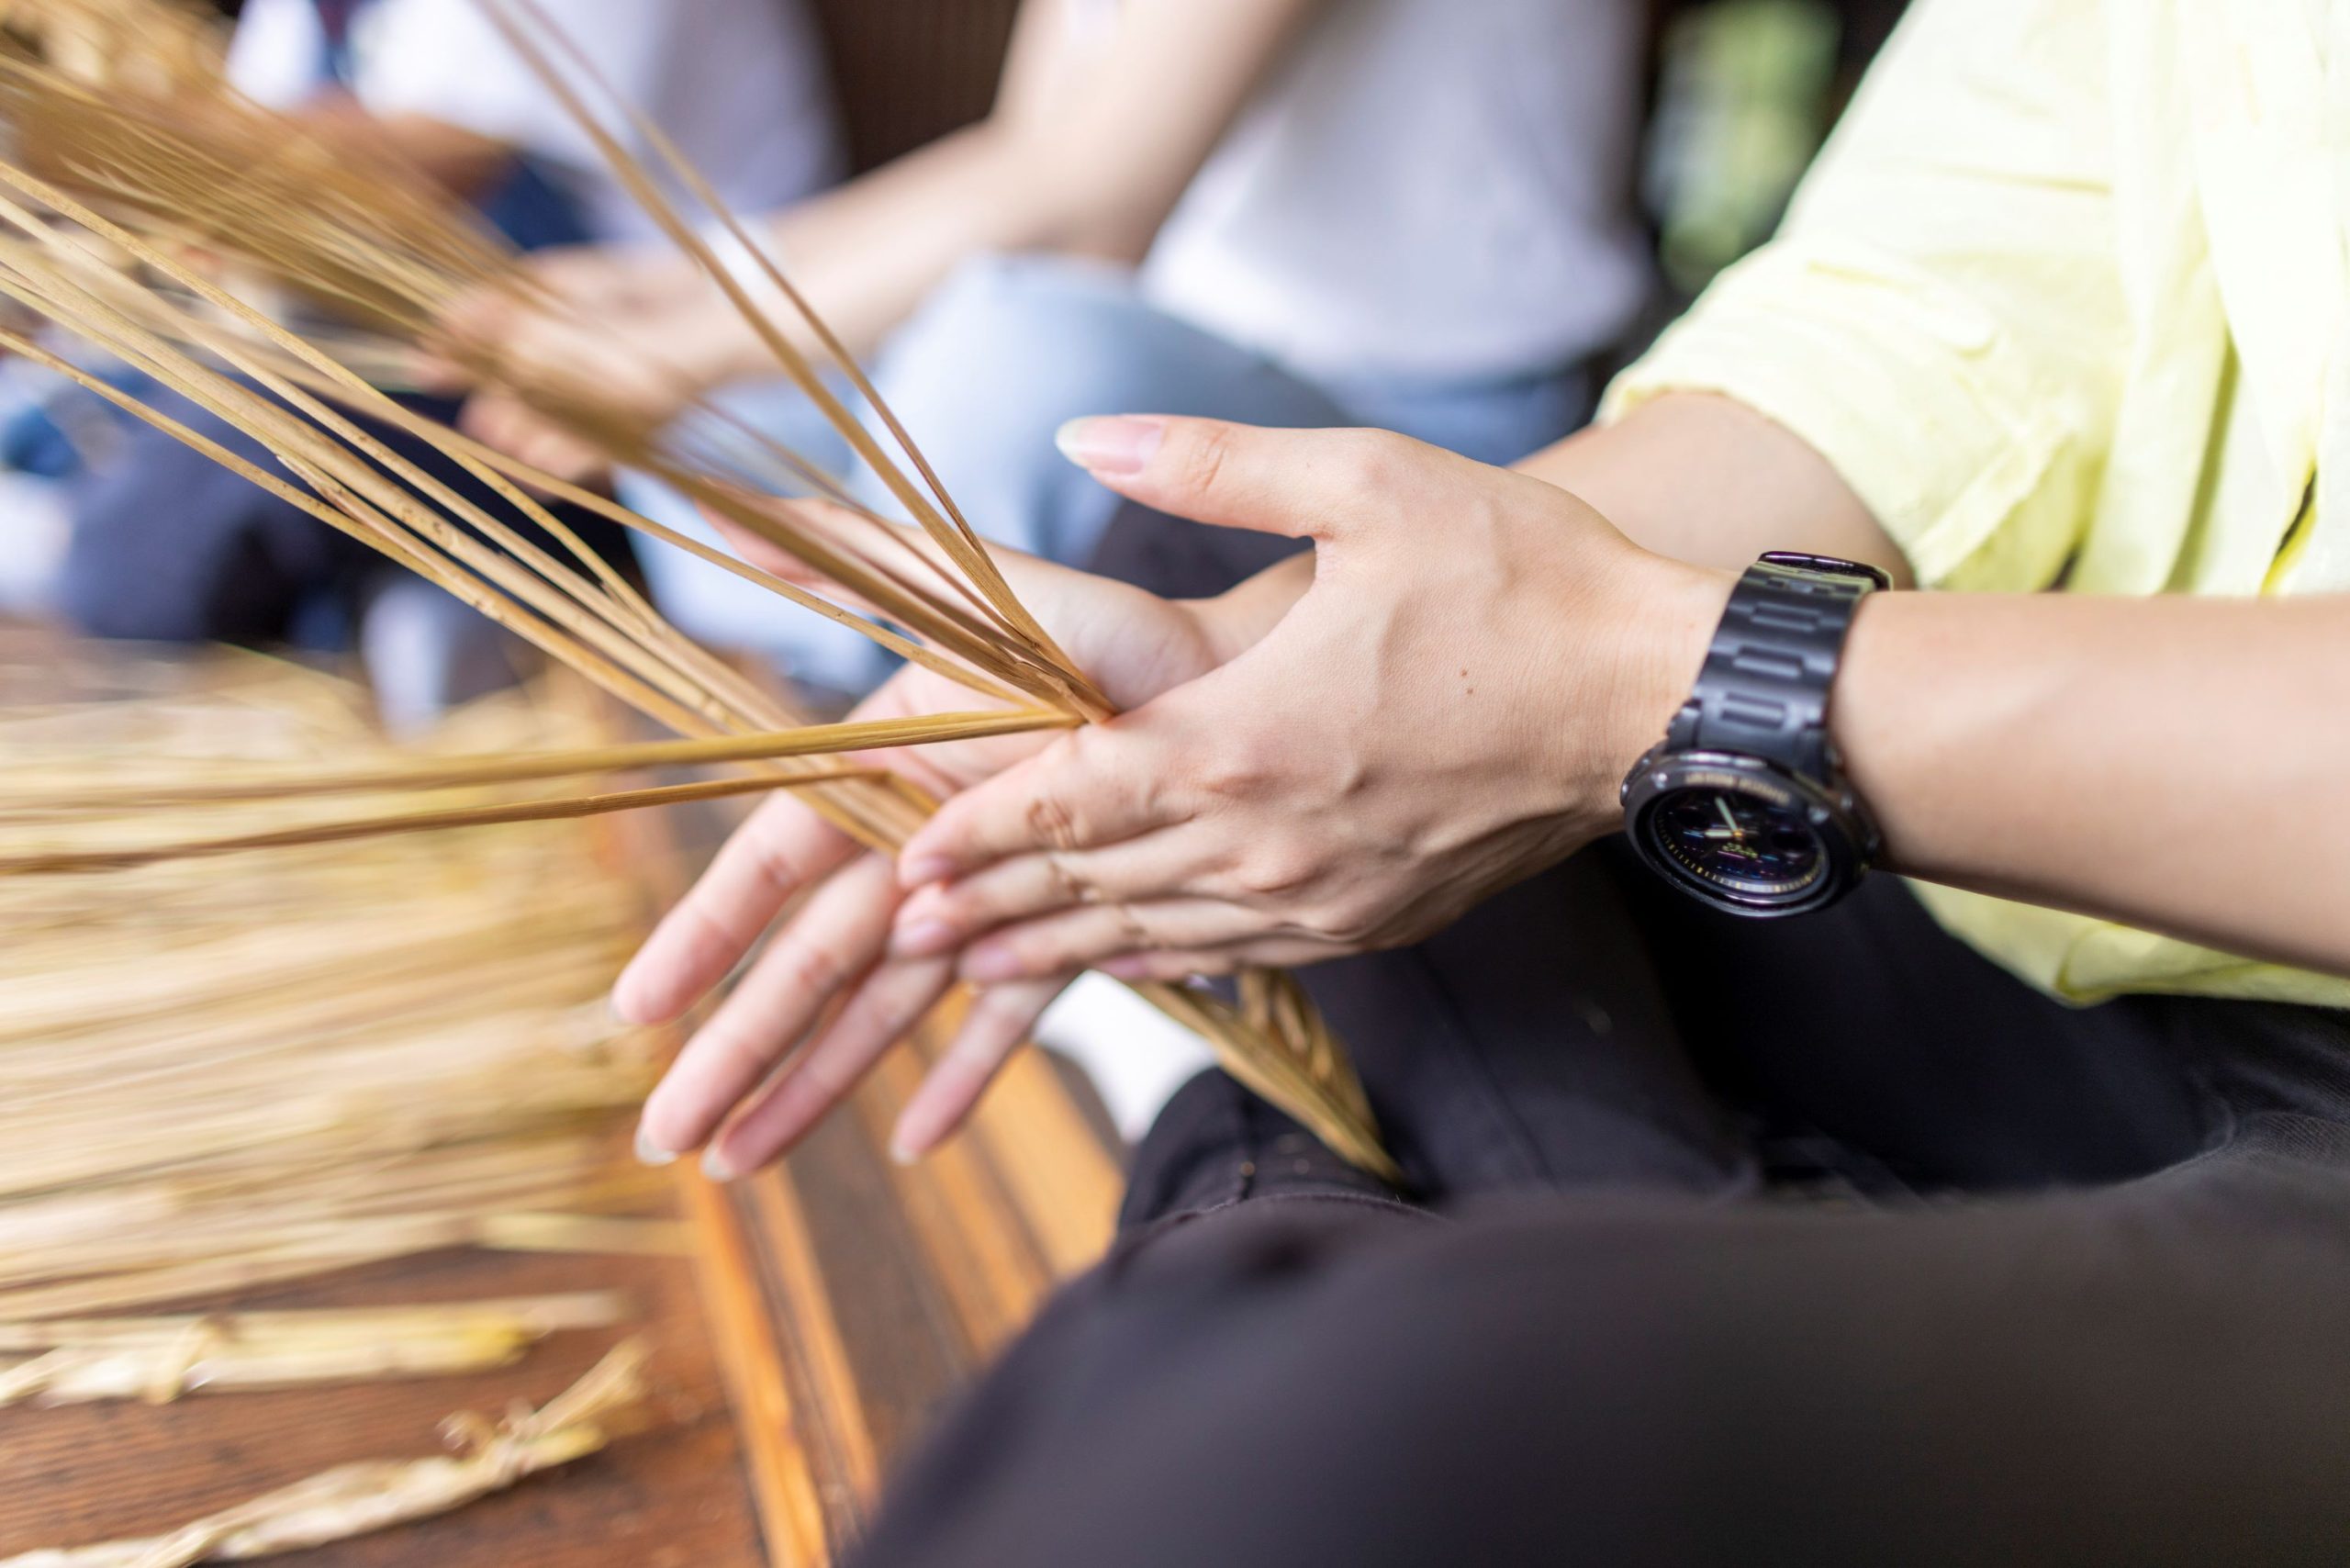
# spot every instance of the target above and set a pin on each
(829, 945)
(1301, 484)
(1000, 1021)
(480, 317)
(1078, 939)
(1095, 786)
(943, 916)
(1173, 968)
(497, 422)
(1133, 643)
(886, 1008)
(782, 848)
(429, 369)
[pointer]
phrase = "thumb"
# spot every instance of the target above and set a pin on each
(1302, 484)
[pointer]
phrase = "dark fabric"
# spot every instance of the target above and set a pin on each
(2151, 1374)
(1810, 1242)
(1294, 1368)
(1867, 1045)
(1176, 558)
(169, 546)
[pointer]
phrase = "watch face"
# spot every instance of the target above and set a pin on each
(1738, 844)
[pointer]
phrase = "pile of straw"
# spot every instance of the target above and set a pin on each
(102, 179)
(350, 1052)
(346, 1053)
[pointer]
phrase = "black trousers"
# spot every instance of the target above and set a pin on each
(1810, 1242)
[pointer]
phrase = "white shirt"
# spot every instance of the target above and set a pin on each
(738, 84)
(1435, 189)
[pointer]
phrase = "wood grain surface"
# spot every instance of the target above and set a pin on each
(829, 1311)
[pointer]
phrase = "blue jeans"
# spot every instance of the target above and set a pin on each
(1004, 353)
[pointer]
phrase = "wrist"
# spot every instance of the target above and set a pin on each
(1668, 619)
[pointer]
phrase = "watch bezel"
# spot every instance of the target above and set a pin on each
(1847, 838)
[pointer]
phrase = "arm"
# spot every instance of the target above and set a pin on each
(2175, 763)
(1088, 149)
(1709, 481)
(1430, 723)
(2096, 802)
(1091, 146)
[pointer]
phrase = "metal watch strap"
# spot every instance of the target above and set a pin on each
(1764, 689)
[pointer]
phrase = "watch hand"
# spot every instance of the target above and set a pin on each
(1723, 806)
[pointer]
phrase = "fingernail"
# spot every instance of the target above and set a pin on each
(716, 1166)
(923, 939)
(989, 965)
(901, 1154)
(651, 1153)
(1128, 969)
(928, 868)
(1117, 445)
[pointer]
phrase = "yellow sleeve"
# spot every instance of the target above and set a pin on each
(1941, 315)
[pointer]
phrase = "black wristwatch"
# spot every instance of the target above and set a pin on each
(1744, 803)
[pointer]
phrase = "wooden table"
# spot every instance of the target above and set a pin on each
(828, 1311)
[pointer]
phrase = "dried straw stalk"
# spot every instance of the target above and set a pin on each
(357, 1499)
(158, 1360)
(391, 255)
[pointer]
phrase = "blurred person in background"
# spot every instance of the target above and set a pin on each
(1998, 1217)
(166, 546)
(1403, 213)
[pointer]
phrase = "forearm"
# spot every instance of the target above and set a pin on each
(867, 254)
(1089, 148)
(2173, 763)
(1709, 481)
(2176, 763)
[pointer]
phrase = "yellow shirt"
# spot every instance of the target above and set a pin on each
(2065, 300)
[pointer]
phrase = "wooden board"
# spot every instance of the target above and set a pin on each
(675, 1495)
(858, 1297)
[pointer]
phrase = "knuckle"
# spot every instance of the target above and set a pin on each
(1052, 820)
(1133, 931)
(1373, 463)
(811, 966)
(1243, 768)
(1068, 885)
(1352, 918)
(1200, 459)
(1006, 1010)
(740, 1055)
(1273, 873)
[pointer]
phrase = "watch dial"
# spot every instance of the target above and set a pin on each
(1740, 844)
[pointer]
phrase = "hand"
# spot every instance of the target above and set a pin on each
(634, 333)
(832, 948)
(1450, 708)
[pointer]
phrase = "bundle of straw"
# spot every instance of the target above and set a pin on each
(354, 1052)
(107, 175)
